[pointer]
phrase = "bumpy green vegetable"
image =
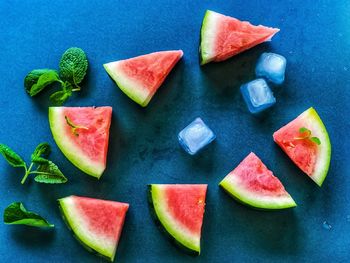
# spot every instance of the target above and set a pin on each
(16, 214)
(73, 66)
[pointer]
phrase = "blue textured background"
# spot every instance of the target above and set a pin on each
(315, 39)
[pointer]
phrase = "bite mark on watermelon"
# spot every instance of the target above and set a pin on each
(96, 223)
(180, 210)
(311, 158)
(223, 37)
(86, 146)
(140, 77)
(253, 184)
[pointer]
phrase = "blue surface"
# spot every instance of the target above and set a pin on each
(315, 39)
(257, 95)
(195, 136)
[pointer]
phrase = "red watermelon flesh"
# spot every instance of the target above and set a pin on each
(96, 223)
(180, 210)
(140, 77)
(223, 37)
(302, 152)
(311, 158)
(252, 183)
(104, 218)
(186, 205)
(257, 178)
(82, 134)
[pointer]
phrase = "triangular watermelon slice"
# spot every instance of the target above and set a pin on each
(223, 37)
(140, 77)
(96, 223)
(253, 184)
(82, 134)
(180, 208)
(305, 140)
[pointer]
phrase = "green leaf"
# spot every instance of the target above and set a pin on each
(11, 157)
(73, 65)
(60, 97)
(42, 150)
(16, 214)
(39, 160)
(49, 173)
(38, 79)
(303, 129)
(316, 140)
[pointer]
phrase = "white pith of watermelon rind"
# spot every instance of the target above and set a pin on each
(313, 122)
(132, 89)
(70, 149)
(77, 223)
(232, 184)
(208, 33)
(173, 227)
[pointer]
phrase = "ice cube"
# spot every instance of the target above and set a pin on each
(272, 67)
(195, 136)
(257, 95)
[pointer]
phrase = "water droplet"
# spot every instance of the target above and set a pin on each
(326, 225)
(345, 68)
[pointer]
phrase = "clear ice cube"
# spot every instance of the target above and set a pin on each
(195, 136)
(272, 67)
(257, 95)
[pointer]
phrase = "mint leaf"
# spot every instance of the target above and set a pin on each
(73, 66)
(38, 79)
(11, 157)
(49, 173)
(16, 214)
(43, 149)
(74, 127)
(316, 140)
(60, 97)
(305, 130)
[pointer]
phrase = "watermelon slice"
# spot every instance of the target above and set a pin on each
(310, 155)
(180, 208)
(82, 134)
(254, 185)
(140, 77)
(96, 223)
(223, 37)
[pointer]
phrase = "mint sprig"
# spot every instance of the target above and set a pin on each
(305, 133)
(74, 127)
(73, 67)
(16, 214)
(46, 172)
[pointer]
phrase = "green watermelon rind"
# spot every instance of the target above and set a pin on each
(163, 224)
(68, 149)
(203, 47)
(323, 171)
(88, 245)
(320, 131)
(127, 86)
(256, 201)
